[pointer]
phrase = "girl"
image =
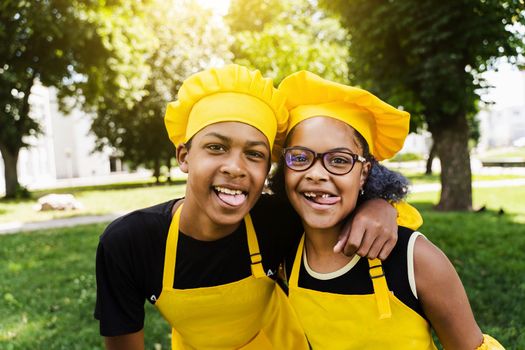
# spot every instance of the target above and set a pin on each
(208, 261)
(388, 305)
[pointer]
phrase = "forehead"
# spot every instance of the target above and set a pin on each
(234, 132)
(323, 133)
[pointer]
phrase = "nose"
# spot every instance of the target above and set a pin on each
(317, 172)
(233, 166)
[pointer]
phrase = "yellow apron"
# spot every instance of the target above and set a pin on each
(372, 321)
(252, 313)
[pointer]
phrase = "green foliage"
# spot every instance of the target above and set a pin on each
(187, 39)
(428, 56)
(79, 47)
(282, 37)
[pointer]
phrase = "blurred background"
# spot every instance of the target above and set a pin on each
(83, 89)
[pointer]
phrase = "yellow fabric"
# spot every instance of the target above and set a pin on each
(408, 216)
(336, 321)
(246, 314)
(380, 288)
(490, 343)
(230, 93)
(383, 126)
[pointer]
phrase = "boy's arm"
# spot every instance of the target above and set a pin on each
(132, 341)
(372, 231)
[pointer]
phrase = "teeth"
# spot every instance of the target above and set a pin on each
(313, 195)
(227, 190)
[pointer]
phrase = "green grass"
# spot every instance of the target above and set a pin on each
(97, 200)
(48, 286)
(48, 292)
(487, 249)
(504, 153)
(416, 177)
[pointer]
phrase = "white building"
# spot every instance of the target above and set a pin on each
(64, 150)
(503, 123)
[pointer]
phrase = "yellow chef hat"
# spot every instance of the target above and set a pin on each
(383, 126)
(231, 93)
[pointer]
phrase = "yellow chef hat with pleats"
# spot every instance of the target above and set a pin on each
(383, 126)
(231, 93)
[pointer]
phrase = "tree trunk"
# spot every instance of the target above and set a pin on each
(156, 170)
(168, 164)
(456, 176)
(430, 159)
(11, 175)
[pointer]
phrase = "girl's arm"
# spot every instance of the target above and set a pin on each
(443, 298)
(132, 341)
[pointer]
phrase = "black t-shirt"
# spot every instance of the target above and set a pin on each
(130, 259)
(357, 280)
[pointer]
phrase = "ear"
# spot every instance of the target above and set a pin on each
(365, 171)
(182, 157)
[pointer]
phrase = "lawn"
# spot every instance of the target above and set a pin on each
(48, 286)
(97, 200)
(117, 198)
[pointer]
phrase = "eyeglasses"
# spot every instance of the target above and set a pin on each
(337, 161)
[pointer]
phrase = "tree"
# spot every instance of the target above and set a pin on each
(187, 39)
(281, 37)
(428, 56)
(80, 47)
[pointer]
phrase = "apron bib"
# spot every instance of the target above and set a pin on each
(365, 322)
(251, 313)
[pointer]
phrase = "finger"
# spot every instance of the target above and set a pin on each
(341, 241)
(354, 240)
(376, 248)
(366, 244)
(387, 249)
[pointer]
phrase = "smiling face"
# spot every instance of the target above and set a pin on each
(227, 165)
(322, 199)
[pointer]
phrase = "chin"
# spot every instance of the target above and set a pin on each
(321, 224)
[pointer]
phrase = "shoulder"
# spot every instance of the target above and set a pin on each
(133, 230)
(433, 270)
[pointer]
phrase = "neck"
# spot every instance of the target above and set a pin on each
(319, 245)
(321, 241)
(199, 226)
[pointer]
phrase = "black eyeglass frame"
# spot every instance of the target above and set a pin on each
(355, 157)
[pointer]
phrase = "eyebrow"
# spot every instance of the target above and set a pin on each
(217, 135)
(256, 143)
(229, 140)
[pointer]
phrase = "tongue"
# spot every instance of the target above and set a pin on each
(325, 200)
(232, 199)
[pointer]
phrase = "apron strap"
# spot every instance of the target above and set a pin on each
(253, 246)
(380, 288)
(171, 251)
(294, 275)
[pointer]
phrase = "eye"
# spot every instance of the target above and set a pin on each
(298, 158)
(256, 155)
(216, 148)
(340, 159)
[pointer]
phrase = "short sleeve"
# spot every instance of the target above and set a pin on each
(120, 301)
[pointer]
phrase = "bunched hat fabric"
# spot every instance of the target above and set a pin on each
(384, 127)
(231, 93)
